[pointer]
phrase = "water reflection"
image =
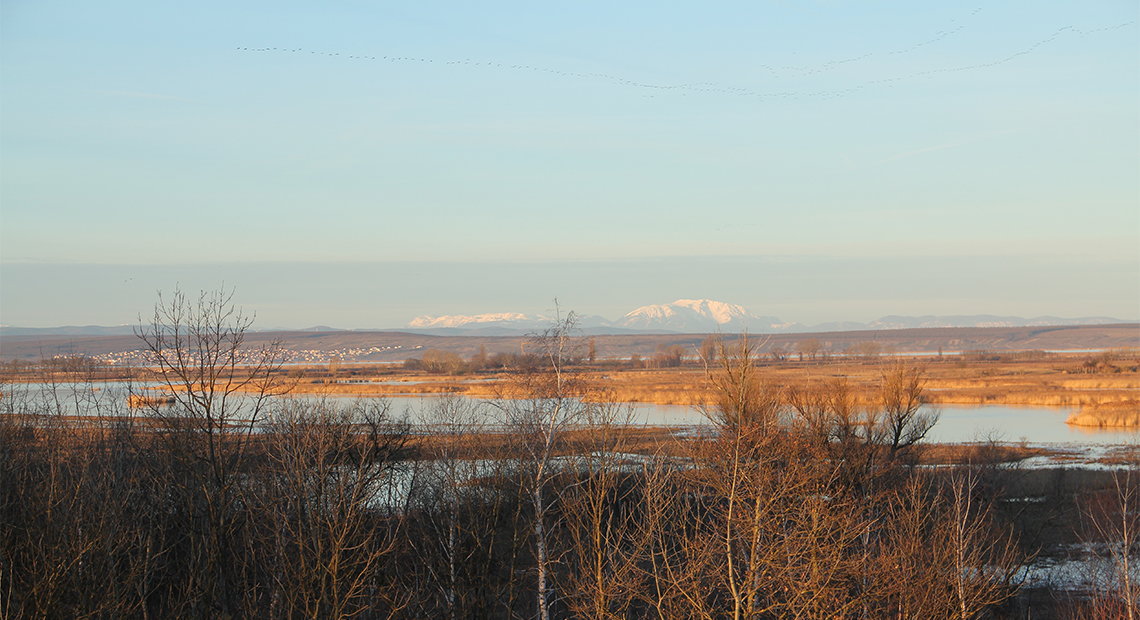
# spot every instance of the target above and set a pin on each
(1012, 423)
(959, 423)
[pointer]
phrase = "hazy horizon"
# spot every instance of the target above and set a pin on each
(386, 295)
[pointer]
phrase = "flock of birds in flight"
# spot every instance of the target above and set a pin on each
(712, 87)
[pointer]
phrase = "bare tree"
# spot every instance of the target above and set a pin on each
(198, 350)
(1111, 520)
(77, 508)
(809, 347)
(739, 398)
(602, 554)
(903, 422)
(669, 356)
(479, 360)
(220, 388)
(551, 403)
(941, 555)
(753, 531)
(445, 485)
(984, 559)
(708, 350)
(868, 350)
(438, 361)
(327, 502)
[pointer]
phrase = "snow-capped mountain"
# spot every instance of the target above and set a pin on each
(499, 319)
(683, 316)
(699, 316)
(496, 324)
(706, 316)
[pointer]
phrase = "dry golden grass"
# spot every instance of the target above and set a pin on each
(412, 384)
(1057, 381)
(1050, 382)
(1124, 414)
(962, 453)
(1014, 383)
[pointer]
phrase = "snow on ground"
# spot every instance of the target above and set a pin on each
(1098, 457)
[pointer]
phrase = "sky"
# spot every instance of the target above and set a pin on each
(358, 164)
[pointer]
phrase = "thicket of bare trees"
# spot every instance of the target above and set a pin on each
(235, 503)
(1110, 533)
(217, 505)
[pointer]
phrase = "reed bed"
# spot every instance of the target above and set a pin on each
(1122, 414)
(1058, 381)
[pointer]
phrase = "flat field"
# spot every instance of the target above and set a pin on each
(394, 346)
(1095, 365)
(1061, 380)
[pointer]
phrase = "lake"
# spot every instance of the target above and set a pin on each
(959, 423)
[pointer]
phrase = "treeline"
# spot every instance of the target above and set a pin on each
(239, 504)
(704, 354)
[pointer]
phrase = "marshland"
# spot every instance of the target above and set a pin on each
(236, 486)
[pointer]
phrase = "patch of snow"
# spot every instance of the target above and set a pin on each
(701, 316)
(459, 320)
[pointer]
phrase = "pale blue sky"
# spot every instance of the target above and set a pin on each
(827, 161)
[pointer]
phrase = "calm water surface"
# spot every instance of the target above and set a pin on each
(959, 423)
(1012, 423)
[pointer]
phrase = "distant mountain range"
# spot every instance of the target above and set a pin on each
(681, 316)
(684, 316)
(69, 330)
(705, 316)
(122, 330)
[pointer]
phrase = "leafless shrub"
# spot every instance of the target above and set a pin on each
(602, 550)
(329, 502)
(1111, 524)
(739, 399)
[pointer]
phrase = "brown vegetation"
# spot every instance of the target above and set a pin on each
(1055, 380)
(804, 499)
(138, 401)
(1124, 414)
